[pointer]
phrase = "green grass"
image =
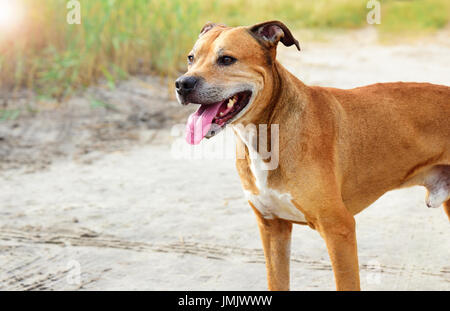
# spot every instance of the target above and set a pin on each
(122, 37)
(413, 17)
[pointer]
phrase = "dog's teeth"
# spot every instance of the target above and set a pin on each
(221, 114)
(231, 102)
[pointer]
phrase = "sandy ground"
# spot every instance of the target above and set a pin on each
(111, 198)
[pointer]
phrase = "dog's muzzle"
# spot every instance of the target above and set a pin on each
(185, 85)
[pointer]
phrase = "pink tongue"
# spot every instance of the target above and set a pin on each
(200, 122)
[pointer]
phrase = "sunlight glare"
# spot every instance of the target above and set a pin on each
(10, 14)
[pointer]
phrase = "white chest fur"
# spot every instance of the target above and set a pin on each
(269, 202)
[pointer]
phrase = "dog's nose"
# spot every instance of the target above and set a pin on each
(185, 84)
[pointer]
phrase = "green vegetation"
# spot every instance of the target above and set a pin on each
(413, 17)
(121, 37)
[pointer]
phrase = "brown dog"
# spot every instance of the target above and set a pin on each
(339, 150)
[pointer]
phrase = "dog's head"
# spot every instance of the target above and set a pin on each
(229, 74)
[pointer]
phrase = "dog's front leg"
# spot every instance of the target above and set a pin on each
(276, 240)
(337, 228)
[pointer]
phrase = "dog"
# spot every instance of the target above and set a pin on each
(339, 150)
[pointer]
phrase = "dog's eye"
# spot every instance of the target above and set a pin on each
(190, 59)
(226, 60)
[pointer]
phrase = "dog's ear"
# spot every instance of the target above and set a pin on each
(208, 27)
(273, 32)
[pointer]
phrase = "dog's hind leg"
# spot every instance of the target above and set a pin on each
(447, 208)
(276, 240)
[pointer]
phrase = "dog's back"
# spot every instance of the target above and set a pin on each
(404, 124)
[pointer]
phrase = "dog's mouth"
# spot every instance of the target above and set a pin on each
(209, 119)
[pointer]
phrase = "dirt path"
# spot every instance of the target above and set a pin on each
(117, 204)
